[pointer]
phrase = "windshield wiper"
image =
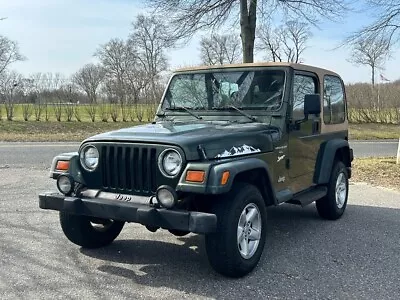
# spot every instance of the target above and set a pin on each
(185, 109)
(252, 118)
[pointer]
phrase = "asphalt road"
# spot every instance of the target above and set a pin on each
(41, 154)
(374, 148)
(356, 257)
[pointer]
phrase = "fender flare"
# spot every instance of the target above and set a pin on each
(326, 157)
(236, 167)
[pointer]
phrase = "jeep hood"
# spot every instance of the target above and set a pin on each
(217, 139)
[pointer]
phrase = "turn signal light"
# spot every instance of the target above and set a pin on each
(225, 177)
(195, 176)
(62, 165)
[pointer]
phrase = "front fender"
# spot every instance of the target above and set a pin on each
(234, 167)
(214, 170)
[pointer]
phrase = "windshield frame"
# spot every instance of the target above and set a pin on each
(260, 110)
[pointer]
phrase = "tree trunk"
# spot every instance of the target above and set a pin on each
(248, 29)
(373, 75)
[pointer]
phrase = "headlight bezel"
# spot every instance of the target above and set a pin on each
(161, 158)
(82, 157)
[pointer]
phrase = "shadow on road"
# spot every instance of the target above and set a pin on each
(301, 250)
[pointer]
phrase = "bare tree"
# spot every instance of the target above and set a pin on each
(88, 79)
(150, 39)
(285, 43)
(219, 49)
(386, 25)
(58, 82)
(372, 53)
(9, 53)
(28, 90)
(269, 42)
(10, 83)
(294, 36)
(38, 85)
(104, 112)
(190, 16)
(119, 60)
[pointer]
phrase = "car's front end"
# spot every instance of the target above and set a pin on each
(157, 181)
(130, 182)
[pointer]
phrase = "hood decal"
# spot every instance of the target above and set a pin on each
(240, 150)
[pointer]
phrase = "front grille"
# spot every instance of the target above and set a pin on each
(129, 168)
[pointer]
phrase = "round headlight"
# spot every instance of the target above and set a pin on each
(89, 158)
(170, 163)
(65, 184)
(166, 196)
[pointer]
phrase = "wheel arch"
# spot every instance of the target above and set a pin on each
(261, 179)
(329, 152)
(251, 170)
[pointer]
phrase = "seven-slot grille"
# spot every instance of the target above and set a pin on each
(129, 168)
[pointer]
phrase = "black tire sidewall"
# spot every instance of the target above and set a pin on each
(79, 230)
(222, 246)
(339, 168)
(327, 206)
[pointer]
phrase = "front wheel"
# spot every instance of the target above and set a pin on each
(89, 232)
(333, 205)
(236, 247)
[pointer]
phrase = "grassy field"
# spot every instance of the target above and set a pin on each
(81, 112)
(374, 131)
(52, 130)
(77, 131)
(366, 170)
(31, 131)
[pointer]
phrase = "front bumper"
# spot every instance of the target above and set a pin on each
(192, 221)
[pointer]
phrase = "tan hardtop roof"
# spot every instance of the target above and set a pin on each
(295, 66)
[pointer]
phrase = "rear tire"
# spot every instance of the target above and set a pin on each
(333, 205)
(89, 232)
(236, 247)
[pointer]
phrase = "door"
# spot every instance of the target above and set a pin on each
(303, 138)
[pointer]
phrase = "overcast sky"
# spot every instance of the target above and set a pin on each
(61, 36)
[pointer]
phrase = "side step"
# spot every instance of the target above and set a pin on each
(309, 196)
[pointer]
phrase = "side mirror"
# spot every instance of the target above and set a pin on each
(312, 104)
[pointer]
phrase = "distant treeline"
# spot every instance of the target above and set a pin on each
(366, 104)
(378, 104)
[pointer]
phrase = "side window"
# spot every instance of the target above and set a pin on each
(334, 106)
(302, 85)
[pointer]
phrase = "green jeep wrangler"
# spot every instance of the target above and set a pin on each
(226, 143)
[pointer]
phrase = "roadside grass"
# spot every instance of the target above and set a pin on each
(377, 171)
(373, 131)
(52, 131)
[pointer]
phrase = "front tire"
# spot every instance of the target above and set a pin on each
(333, 205)
(236, 247)
(89, 232)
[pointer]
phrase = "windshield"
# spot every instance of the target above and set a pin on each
(243, 89)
